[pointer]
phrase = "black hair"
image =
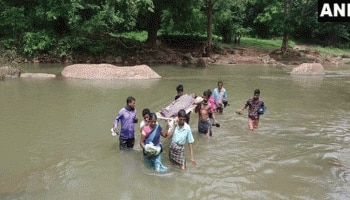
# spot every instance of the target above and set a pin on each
(146, 111)
(181, 113)
(180, 88)
(257, 91)
(206, 93)
(222, 83)
(130, 99)
(209, 92)
(152, 116)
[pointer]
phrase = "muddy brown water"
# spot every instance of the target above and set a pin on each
(55, 140)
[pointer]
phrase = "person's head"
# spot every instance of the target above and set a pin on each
(180, 89)
(220, 84)
(152, 120)
(182, 117)
(206, 95)
(209, 91)
(145, 114)
(256, 93)
(130, 102)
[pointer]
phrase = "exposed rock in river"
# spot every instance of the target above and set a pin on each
(308, 69)
(108, 71)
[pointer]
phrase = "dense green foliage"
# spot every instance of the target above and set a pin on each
(62, 28)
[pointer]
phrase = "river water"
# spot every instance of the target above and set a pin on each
(55, 140)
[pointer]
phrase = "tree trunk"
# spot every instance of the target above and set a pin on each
(153, 27)
(288, 5)
(284, 42)
(209, 45)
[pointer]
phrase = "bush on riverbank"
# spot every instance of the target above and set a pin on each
(131, 49)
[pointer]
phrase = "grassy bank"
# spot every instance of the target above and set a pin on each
(270, 44)
(273, 44)
(331, 51)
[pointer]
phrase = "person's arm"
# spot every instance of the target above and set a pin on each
(164, 132)
(215, 94)
(198, 108)
(190, 141)
(192, 154)
(170, 129)
(116, 121)
(135, 119)
(224, 96)
(240, 111)
(142, 124)
(214, 118)
(142, 140)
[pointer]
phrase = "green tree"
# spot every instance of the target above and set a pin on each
(169, 16)
(209, 5)
(228, 19)
(281, 18)
(224, 17)
(12, 24)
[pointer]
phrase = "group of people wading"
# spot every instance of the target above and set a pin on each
(178, 128)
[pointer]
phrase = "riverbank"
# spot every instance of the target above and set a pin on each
(237, 55)
(192, 54)
(224, 55)
(294, 56)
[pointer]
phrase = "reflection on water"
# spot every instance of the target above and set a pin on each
(112, 84)
(308, 81)
(55, 140)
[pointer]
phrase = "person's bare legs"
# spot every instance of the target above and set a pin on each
(253, 124)
(209, 133)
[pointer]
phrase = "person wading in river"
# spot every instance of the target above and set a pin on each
(204, 109)
(128, 118)
(256, 107)
(180, 135)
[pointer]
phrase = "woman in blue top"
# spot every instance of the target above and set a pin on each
(151, 144)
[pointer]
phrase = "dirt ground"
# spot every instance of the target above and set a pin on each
(190, 54)
(234, 55)
(296, 56)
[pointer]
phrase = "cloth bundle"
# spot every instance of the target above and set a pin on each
(150, 148)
